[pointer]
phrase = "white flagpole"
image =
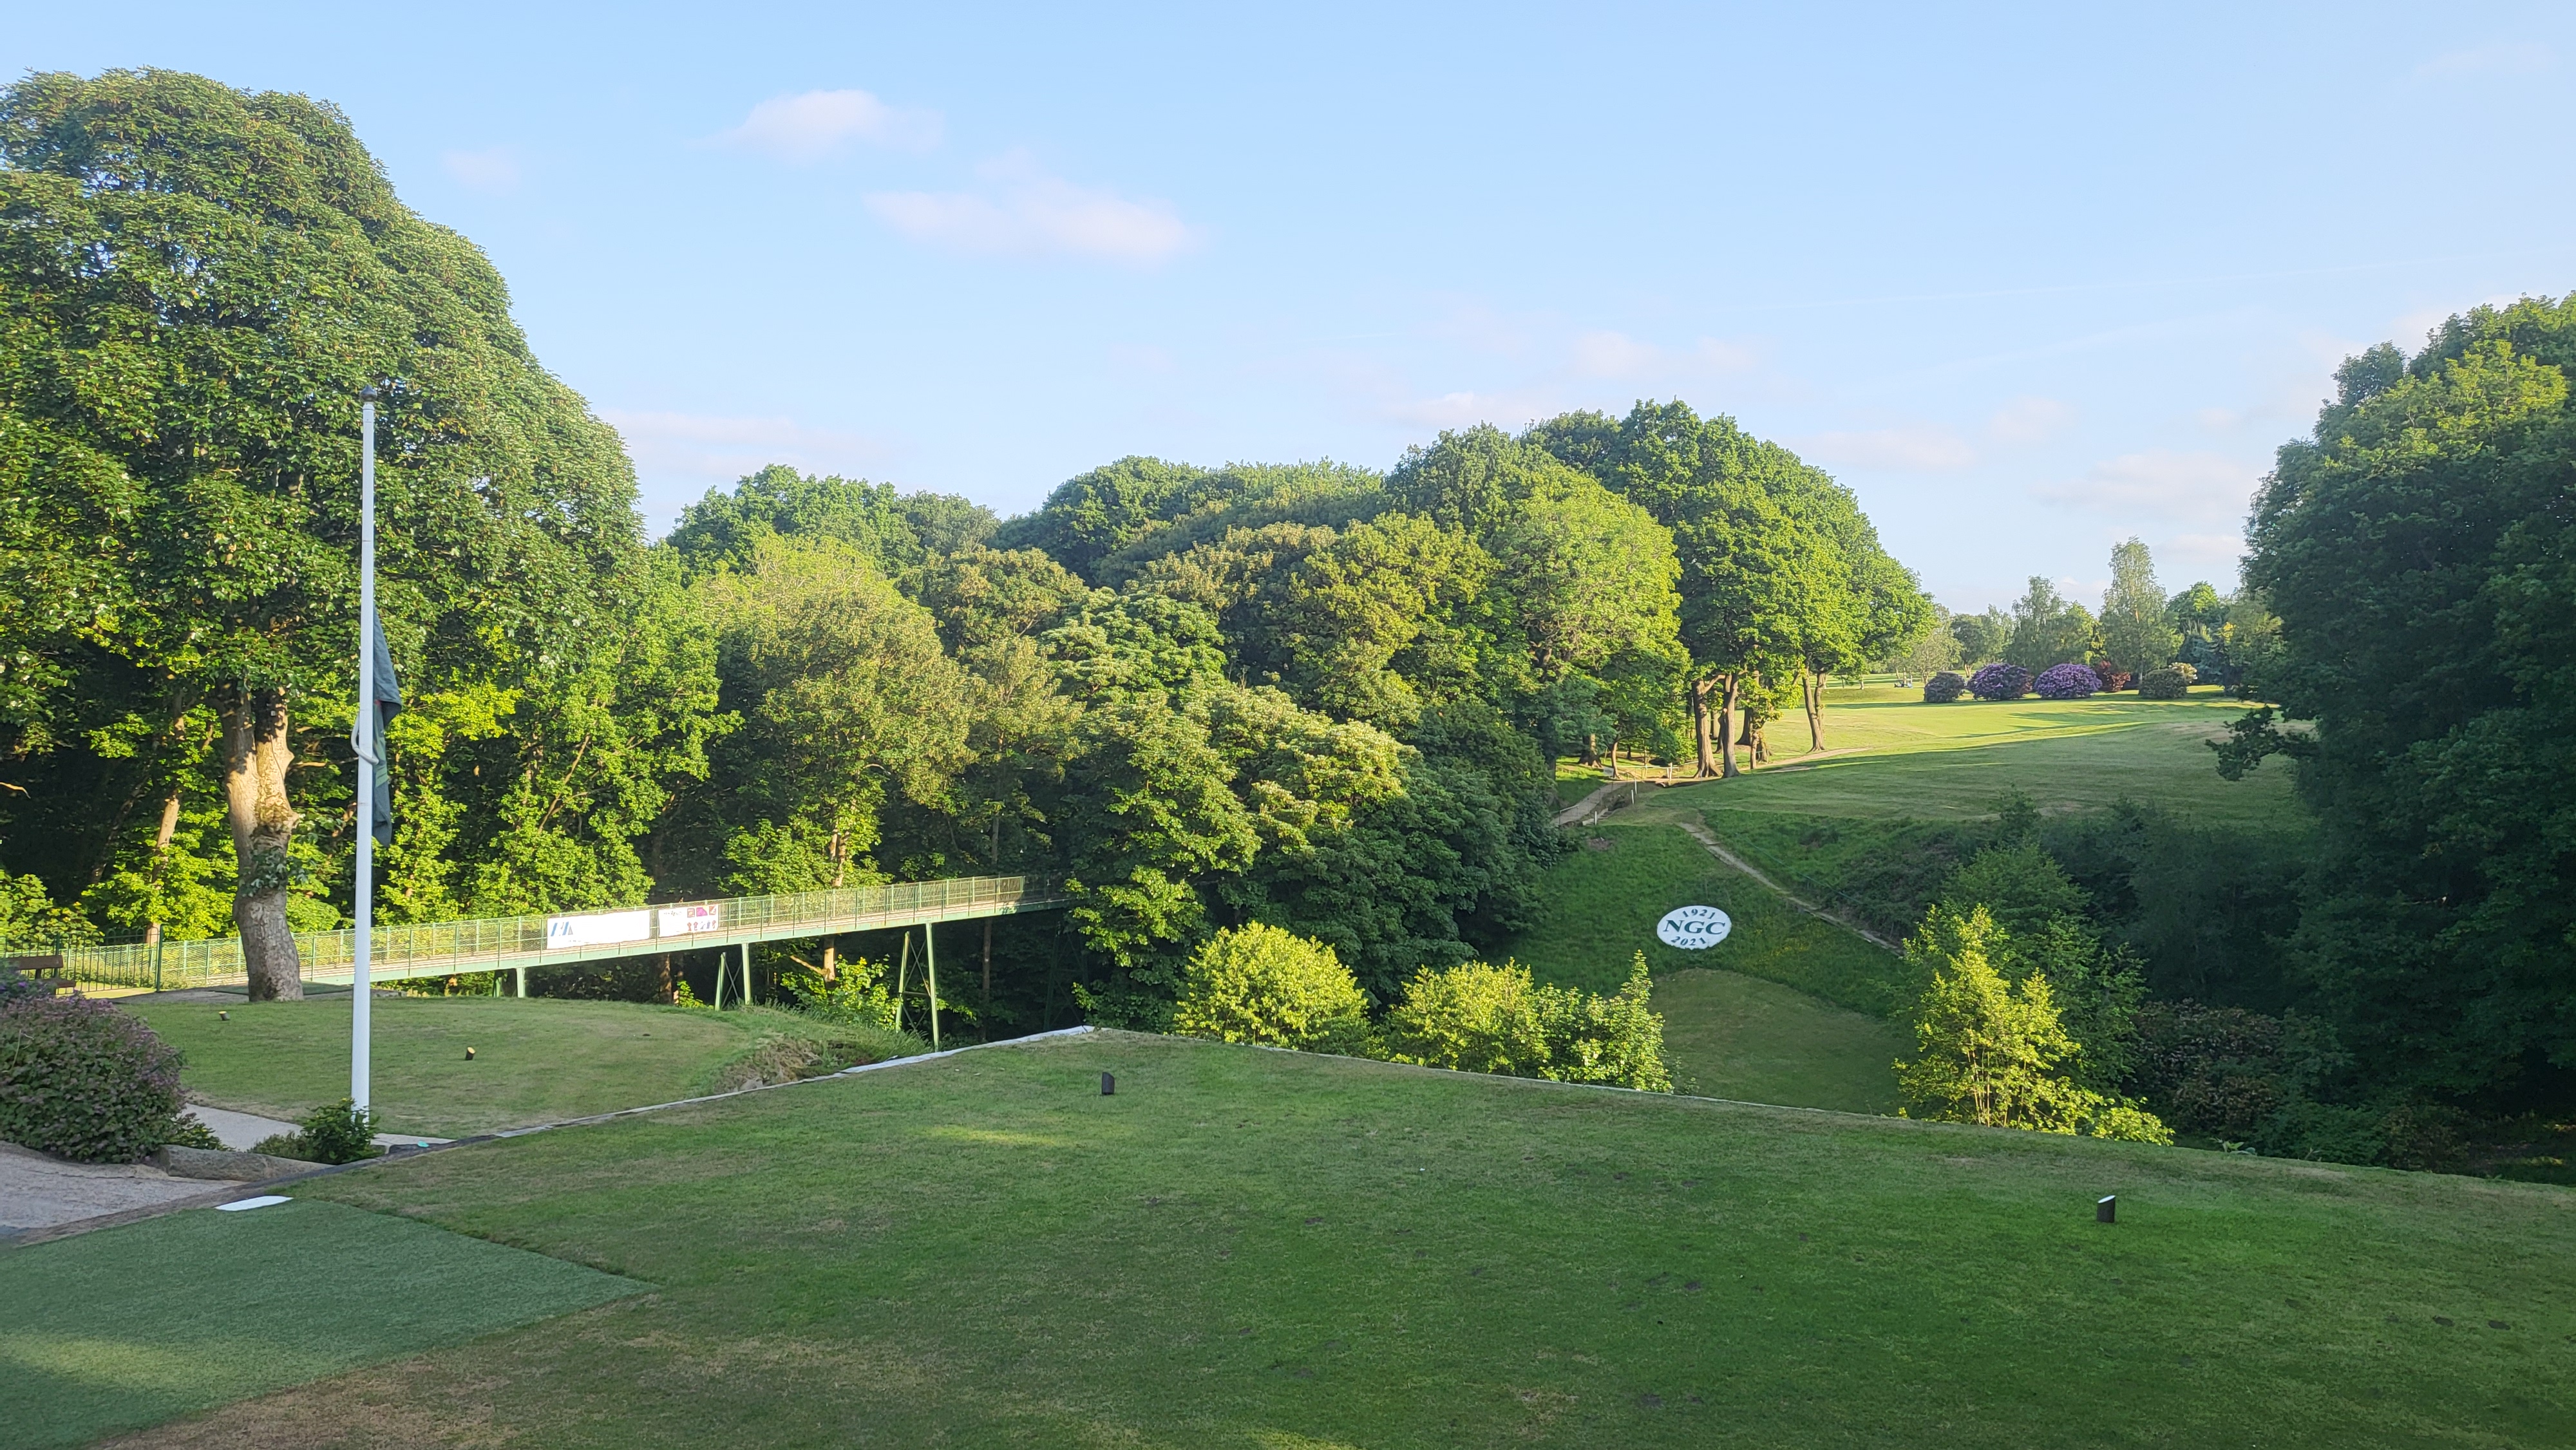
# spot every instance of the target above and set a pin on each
(370, 754)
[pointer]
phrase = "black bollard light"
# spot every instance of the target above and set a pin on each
(2106, 1208)
(469, 1054)
(1108, 1086)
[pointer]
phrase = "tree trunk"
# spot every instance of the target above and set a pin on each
(832, 945)
(1731, 690)
(161, 862)
(256, 759)
(1813, 687)
(1699, 728)
(667, 994)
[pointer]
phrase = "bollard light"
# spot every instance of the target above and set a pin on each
(1108, 1086)
(2106, 1208)
(469, 1054)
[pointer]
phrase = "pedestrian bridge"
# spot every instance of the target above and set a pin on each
(518, 943)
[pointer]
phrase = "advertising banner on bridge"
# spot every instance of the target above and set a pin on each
(598, 929)
(682, 920)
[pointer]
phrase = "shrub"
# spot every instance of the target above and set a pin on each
(2000, 682)
(1996, 1052)
(82, 1080)
(2190, 672)
(1261, 984)
(188, 1132)
(2113, 678)
(1482, 1018)
(342, 1132)
(2068, 681)
(857, 997)
(1944, 687)
(2169, 683)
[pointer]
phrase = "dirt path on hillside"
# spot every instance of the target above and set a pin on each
(1717, 848)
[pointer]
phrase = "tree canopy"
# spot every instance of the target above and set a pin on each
(2416, 548)
(1309, 697)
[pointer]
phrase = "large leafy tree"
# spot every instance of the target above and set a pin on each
(2420, 553)
(1780, 573)
(196, 282)
(894, 531)
(2049, 629)
(2137, 624)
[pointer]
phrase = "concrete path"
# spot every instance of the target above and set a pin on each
(38, 1191)
(240, 1131)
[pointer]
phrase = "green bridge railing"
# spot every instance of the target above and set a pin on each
(441, 948)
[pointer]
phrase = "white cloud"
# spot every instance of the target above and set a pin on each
(1614, 355)
(1606, 354)
(1724, 356)
(704, 450)
(1449, 410)
(1918, 449)
(814, 125)
(2226, 549)
(1029, 213)
(2029, 419)
(495, 170)
(2161, 483)
(2512, 58)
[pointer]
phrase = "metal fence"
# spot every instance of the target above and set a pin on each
(439, 948)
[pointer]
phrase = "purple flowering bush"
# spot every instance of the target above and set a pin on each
(2068, 681)
(1944, 687)
(85, 1081)
(2000, 682)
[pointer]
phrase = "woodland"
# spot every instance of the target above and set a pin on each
(1316, 696)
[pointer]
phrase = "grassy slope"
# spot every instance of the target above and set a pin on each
(1734, 1036)
(131, 1326)
(1268, 1249)
(1937, 761)
(536, 1060)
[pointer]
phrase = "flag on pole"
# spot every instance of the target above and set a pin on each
(388, 704)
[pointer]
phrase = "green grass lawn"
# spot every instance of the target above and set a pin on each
(1787, 1009)
(1600, 907)
(131, 1326)
(1266, 1249)
(536, 1060)
(1734, 1036)
(1941, 761)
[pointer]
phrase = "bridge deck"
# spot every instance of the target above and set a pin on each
(517, 943)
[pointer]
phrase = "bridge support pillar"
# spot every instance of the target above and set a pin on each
(523, 981)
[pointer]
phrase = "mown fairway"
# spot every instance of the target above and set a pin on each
(1259, 1248)
(1910, 759)
(131, 1326)
(535, 1060)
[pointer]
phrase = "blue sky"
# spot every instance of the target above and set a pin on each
(2028, 280)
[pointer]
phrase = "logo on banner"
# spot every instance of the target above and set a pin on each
(600, 929)
(1693, 928)
(682, 920)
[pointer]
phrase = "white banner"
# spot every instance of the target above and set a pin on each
(600, 929)
(682, 920)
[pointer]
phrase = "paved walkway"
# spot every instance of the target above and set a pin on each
(240, 1131)
(37, 1191)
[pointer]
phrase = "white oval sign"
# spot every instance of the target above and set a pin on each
(1693, 928)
